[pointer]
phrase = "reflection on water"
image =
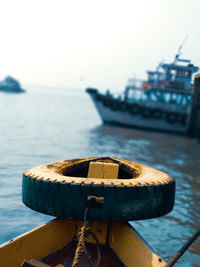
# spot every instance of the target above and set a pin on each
(44, 126)
(180, 158)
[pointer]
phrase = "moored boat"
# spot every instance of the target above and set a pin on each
(99, 194)
(162, 102)
(10, 85)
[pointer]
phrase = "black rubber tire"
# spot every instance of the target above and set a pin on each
(48, 190)
(172, 117)
(114, 105)
(181, 118)
(123, 106)
(184, 119)
(157, 114)
(146, 113)
(134, 109)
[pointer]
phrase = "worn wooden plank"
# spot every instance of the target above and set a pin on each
(34, 263)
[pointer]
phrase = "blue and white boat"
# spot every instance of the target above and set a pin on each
(10, 85)
(162, 102)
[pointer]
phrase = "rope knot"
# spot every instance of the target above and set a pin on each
(84, 232)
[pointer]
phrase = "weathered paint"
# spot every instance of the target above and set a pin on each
(44, 240)
(131, 249)
(118, 117)
(40, 242)
(141, 174)
(51, 190)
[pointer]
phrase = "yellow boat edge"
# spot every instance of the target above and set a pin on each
(128, 245)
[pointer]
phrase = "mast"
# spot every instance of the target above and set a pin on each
(176, 58)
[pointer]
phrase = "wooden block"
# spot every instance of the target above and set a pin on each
(34, 263)
(103, 170)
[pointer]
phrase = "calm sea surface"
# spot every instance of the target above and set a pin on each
(51, 124)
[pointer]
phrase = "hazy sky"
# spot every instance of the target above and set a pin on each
(101, 44)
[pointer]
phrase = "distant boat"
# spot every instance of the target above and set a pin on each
(10, 85)
(162, 102)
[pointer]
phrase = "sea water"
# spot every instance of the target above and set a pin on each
(51, 124)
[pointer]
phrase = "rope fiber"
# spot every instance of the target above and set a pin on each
(84, 232)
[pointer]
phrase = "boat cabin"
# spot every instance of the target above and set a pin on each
(172, 84)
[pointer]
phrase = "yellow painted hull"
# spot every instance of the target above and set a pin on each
(124, 241)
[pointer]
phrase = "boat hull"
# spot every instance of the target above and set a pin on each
(11, 90)
(45, 242)
(127, 119)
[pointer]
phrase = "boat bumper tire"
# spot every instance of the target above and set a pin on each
(60, 190)
(134, 109)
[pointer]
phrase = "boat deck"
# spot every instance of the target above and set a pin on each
(65, 256)
(54, 244)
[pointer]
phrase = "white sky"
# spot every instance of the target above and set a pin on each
(94, 43)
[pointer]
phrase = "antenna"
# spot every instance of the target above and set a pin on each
(179, 49)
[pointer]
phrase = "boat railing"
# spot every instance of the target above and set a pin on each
(152, 104)
(166, 100)
(135, 83)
